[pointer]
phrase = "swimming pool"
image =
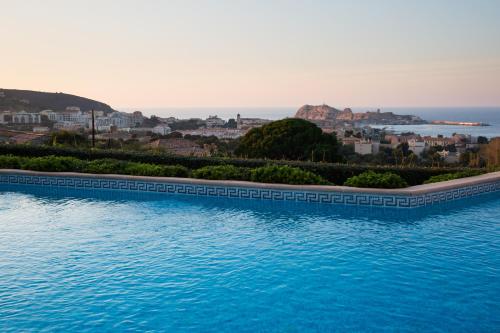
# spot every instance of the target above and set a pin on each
(94, 261)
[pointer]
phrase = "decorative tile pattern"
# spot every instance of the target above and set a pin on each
(361, 199)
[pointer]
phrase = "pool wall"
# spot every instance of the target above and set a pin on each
(411, 197)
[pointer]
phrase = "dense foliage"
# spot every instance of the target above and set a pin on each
(289, 139)
(222, 172)
(453, 175)
(332, 172)
(285, 174)
(52, 163)
(102, 166)
(376, 180)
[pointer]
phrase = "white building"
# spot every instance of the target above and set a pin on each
(51, 115)
(449, 157)
(214, 121)
(5, 117)
(120, 119)
(248, 123)
(366, 147)
(161, 129)
(137, 118)
(416, 146)
(221, 133)
(23, 117)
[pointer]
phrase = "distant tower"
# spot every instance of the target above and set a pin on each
(238, 121)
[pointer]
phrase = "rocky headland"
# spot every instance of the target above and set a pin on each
(325, 115)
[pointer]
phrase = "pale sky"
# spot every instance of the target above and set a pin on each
(255, 53)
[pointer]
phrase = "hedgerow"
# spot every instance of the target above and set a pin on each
(376, 180)
(103, 166)
(332, 172)
(451, 176)
(285, 174)
(222, 172)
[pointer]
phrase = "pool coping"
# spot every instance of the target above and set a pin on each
(406, 197)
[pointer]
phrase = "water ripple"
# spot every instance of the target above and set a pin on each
(90, 263)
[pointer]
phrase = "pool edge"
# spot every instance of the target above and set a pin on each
(410, 197)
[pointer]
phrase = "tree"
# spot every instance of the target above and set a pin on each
(482, 140)
(231, 123)
(292, 139)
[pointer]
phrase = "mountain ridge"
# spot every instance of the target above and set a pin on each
(35, 101)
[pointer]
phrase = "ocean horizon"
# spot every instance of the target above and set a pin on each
(488, 115)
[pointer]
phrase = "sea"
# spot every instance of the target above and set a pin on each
(488, 115)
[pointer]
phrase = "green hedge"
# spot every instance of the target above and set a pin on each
(267, 174)
(68, 164)
(285, 175)
(332, 172)
(454, 175)
(222, 172)
(377, 180)
(53, 163)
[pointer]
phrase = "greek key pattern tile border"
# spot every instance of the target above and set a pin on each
(343, 198)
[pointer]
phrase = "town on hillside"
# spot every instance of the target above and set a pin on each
(214, 136)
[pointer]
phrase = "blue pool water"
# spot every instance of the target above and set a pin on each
(81, 261)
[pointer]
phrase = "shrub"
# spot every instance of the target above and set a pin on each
(105, 166)
(376, 180)
(144, 169)
(451, 176)
(334, 173)
(222, 172)
(10, 162)
(286, 175)
(52, 163)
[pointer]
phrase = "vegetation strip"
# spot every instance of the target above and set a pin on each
(282, 174)
(331, 172)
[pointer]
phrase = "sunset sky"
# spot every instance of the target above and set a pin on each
(255, 53)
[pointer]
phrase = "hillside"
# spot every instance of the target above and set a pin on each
(15, 100)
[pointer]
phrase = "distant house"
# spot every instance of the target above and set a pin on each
(51, 115)
(5, 117)
(214, 121)
(366, 147)
(449, 157)
(162, 129)
(120, 119)
(137, 118)
(433, 142)
(416, 146)
(23, 117)
(221, 133)
(248, 123)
